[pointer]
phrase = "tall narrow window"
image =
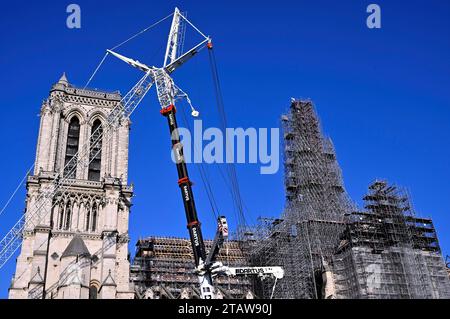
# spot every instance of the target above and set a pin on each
(73, 139)
(61, 216)
(95, 156)
(68, 215)
(94, 217)
(88, 217)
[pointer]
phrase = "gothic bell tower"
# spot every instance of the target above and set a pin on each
(80, 248)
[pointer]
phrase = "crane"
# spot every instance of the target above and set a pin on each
(217, 268)
(39, 212)
(168, 94)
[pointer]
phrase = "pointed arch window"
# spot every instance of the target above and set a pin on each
(73, 140)
(61, 216)
(95, 156)
(94, 217)
(65, 215)
(88, 217)
(68, 216)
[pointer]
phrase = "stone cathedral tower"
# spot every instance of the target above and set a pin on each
(79, 249)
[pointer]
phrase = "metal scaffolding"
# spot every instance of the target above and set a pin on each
(393, 253)
(447, 264)
(329, 248)
(163, 267)
(304, 239)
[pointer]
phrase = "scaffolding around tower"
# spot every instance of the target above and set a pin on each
(306, 236)
(327, 246)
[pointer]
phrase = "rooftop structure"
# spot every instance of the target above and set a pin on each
(163, 267)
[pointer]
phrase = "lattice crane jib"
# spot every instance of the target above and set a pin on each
(167, 92)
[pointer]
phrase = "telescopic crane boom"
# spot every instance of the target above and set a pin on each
(168, 93)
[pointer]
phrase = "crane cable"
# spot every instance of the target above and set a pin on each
(229, 188)
(204, 176)
(16, 190)
(95, 71)
(87, 83)
(142, 31)
(231, 169)
(122, 43)
(201, 169)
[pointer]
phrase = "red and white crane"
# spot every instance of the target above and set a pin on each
(206, 264)
(168, 94)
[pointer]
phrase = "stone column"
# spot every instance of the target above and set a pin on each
(45, 135)
(61, 147)
(108, 271)
(54, 141)
(83, 151)
(38, 265)
(19, 284)
(121, 166)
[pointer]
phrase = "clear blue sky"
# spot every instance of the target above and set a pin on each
(382, 95)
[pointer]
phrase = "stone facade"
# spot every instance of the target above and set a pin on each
(90, 209)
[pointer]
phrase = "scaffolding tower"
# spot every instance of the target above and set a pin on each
(305, 238)
(329, 248)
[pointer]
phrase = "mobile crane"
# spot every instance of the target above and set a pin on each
(168, 93)
(217, 268)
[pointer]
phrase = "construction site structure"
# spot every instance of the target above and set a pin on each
(387, 252)
(447, 264)
(81, 149)
(329, 248)
(163, 267)
(168, 93)
(304, 239)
